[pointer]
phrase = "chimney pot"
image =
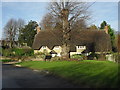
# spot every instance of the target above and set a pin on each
(106, 29)
(38, 29)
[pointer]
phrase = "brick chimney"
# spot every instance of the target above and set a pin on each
(106, 29)
(38, 29)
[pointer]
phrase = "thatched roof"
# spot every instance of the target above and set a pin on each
(95, 40)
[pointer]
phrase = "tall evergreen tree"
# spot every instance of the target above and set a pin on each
(112, 36)
(27, 33)
(111, 33)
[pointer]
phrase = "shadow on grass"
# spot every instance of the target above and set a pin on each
(99, 75)
(96, 74)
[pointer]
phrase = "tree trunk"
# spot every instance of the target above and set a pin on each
(66, 37)
(102, 57)
(10, 44)
(65, 51)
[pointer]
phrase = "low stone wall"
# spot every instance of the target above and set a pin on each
(110, 57)
(113, 57)
(25, 58)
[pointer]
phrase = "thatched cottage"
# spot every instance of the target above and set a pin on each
(80, 41)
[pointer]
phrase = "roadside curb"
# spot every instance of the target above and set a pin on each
(10, 62)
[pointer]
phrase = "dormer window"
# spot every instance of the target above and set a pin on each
(56, 47)
(44, 47)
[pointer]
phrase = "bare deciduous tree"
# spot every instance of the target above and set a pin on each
(47, 22)
(67, 14)
(20, 25)
(11, 30)
(80, 24)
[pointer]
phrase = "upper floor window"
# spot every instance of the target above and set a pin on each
(44, 47)
(56, 47)
(80, 47)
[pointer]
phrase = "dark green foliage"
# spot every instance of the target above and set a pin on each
(77, 56)
(23, 52)
(17, 52)
(103, 24)
(40, 55)
(7, 52)
(27, 33)
(55, 58)
(92, 56)
(0, 51)
(111, 33)
(6, 60)
(112, 36)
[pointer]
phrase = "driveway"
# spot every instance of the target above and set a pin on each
(19, 77)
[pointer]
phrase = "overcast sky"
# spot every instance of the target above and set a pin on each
(27, 11)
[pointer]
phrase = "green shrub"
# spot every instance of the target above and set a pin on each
(78, 56)
(55, 58)
(7, 52)
(23, 52)
(17, 52)
(93, 56)
(40, 55)
(29, 52)
(6, 60)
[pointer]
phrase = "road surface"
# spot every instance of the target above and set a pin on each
(19, 77)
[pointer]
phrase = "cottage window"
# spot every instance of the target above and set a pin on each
(56, 47)
(44, 47)
(80, 47)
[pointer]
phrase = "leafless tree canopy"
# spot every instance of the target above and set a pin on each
(12, 28)
(48, 22)
(77, 10)
(77, 16)
(20, 23)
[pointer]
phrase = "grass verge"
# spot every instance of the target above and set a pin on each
(97, 74)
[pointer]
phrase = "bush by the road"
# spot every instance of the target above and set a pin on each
(6, 60)
(17, 52)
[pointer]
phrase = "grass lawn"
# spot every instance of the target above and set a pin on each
(88, 72)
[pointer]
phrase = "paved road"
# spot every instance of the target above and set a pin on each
(19, 77)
